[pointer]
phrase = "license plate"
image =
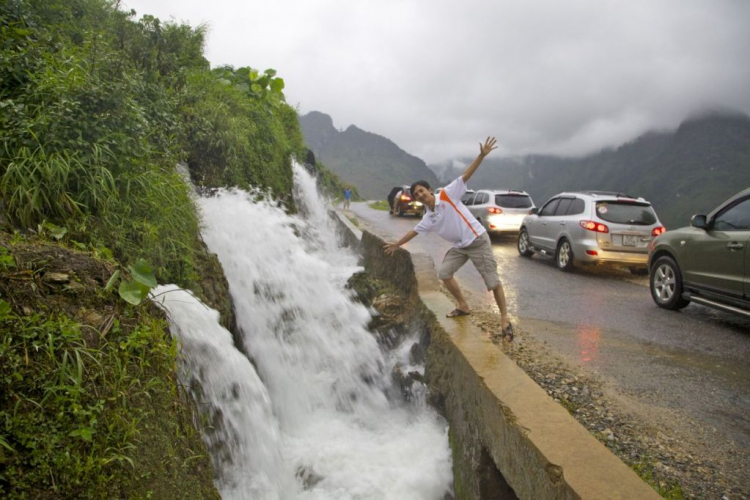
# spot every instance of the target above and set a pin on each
(629, 240)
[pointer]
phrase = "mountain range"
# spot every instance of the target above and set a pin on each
(681, 172)
(372, 163)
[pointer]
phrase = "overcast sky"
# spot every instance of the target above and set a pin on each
(545, 76)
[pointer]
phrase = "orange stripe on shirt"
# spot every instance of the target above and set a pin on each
(444, 197)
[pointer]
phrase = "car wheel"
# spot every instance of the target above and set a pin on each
(666, 284)
(564, 256)
(524, 247)
(398, 211)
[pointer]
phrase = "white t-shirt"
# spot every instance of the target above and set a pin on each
(451, 219)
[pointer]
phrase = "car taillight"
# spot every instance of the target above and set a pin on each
(597, 227)
(405, 198)
(658, 230)
(495, 210)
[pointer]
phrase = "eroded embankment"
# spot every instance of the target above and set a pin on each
(90, 404)
(509, 438)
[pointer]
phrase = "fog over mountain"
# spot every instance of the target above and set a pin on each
(682, 172)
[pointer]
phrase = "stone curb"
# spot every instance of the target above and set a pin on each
(496, 412)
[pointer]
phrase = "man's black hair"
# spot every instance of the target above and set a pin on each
(424, 184)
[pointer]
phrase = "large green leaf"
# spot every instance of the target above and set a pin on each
(277, 84)
(111, 281)
(131, 292)
(142, 273)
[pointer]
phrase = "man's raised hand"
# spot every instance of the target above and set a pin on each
(489, 144)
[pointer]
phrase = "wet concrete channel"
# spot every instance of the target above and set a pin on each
(686, 371)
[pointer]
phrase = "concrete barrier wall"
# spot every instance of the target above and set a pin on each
(509, 438)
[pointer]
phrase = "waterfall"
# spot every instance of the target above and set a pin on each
(316, 420)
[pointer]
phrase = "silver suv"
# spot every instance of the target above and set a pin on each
(499, 210)
(591, 227)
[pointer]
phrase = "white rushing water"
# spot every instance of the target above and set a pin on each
(315, 422)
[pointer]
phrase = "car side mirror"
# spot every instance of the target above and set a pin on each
(534, 211)
(699, 221)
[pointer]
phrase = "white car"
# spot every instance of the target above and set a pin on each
(500, 211)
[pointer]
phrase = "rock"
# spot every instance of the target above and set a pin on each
(93, 318)
(74, 287)
(51, 277)
(417, 354)
(27, 311)
(308, 477)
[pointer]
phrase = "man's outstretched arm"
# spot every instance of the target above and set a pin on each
(390, 248)
(484, 150)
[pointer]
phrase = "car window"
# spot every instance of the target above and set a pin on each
(469, 198)
(577, 207)
(640, 214)
(736, 218)
(549, 208)
(562, 207)
(513, 201)
(481, 199)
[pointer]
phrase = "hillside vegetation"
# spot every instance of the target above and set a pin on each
(96, 109)
(368, 161)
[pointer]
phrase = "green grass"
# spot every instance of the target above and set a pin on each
(80, 412)
(354, 221)
(90, 404)
(645, 467)
(379, 205)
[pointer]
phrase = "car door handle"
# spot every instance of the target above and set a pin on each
(562, 223)
(734, 246)
(544, 223)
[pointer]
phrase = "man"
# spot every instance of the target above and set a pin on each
(453, 222)
(347, 198)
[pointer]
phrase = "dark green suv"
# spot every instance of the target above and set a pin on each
(707, 263)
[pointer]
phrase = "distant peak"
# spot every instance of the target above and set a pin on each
(715, 112)
(319, 117)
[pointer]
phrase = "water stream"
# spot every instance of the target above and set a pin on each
(320, 419)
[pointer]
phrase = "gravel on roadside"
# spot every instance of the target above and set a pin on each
(675, 465)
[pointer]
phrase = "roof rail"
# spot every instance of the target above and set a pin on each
(608, 193)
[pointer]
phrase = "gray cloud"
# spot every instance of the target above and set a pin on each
(544, 76)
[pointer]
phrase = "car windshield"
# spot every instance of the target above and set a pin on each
(513, 201)
(640, 214)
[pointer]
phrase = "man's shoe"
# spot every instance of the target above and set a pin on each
(508, 333)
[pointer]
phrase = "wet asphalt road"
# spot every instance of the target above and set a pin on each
(694, 363)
